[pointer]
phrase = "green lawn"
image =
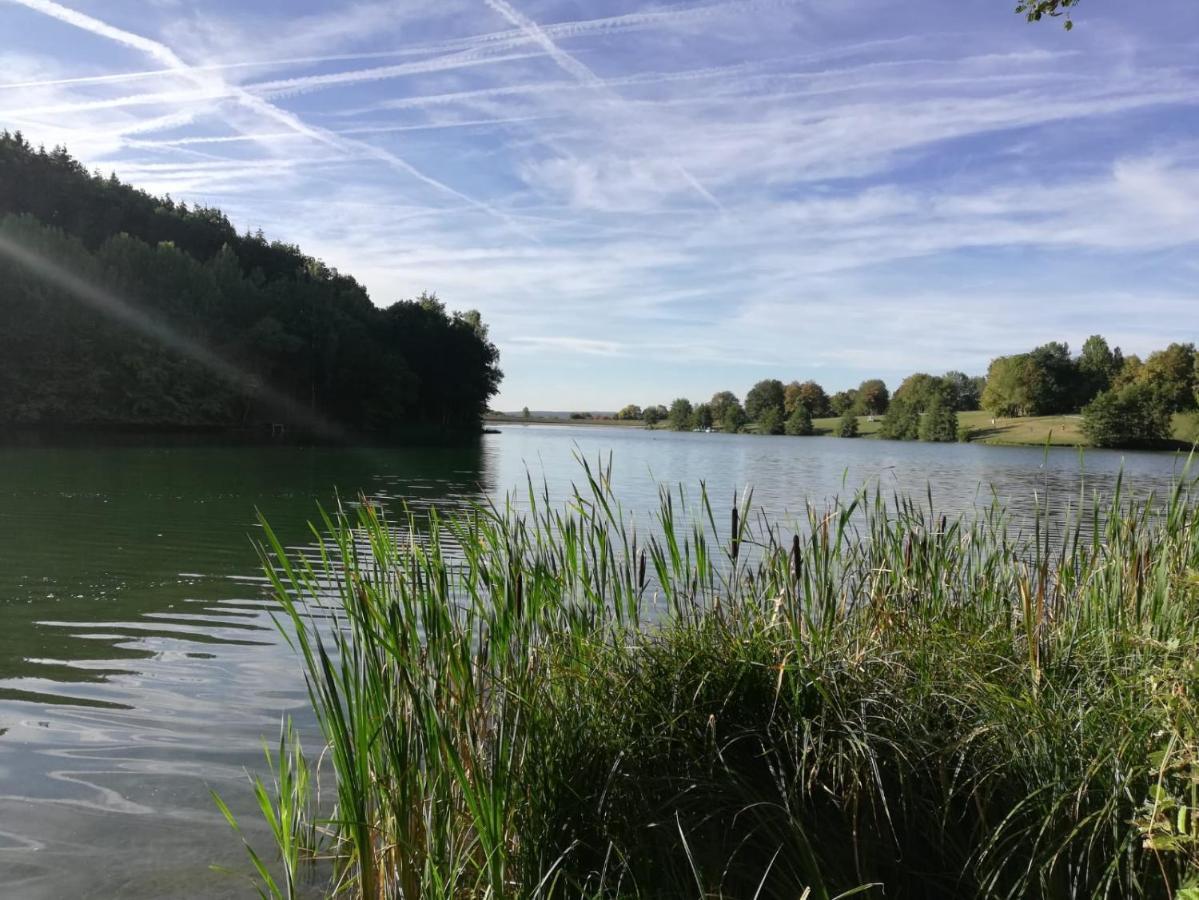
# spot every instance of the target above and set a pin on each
(1060, 431)
(1056, 430)
(866, 428)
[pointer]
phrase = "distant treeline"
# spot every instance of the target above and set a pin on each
(118, 308)
(1124, 401)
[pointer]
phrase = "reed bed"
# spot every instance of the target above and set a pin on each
(548, 702)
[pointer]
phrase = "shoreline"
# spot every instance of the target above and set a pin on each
(1034, 431)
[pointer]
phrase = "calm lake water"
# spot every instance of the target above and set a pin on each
(139, 667)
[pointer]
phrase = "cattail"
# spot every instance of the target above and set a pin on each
(736, 529)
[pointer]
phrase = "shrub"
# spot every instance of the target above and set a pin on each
(770, 421)
(800, 422)
(734, 418)
(902, 421)
(1132, 416)
(939, 422)
(681, 414)
(848, 426)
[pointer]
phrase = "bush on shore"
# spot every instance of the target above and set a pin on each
(1132, 416)
(799, 423)
(554, 703)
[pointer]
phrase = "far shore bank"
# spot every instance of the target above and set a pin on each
(1032, 431)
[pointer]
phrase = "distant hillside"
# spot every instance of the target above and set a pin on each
(118, 308)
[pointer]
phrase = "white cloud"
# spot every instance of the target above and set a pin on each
(889, 198)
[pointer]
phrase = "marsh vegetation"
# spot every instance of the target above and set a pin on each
(549, 700)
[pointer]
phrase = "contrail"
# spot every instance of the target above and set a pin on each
(546, 87)
(171, 60)
(439, 64)
(146, 324)
(365, 129)
(495, 40)
(582, 74)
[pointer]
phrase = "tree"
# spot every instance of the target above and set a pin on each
(917, 390)
(1098, 366)
(734, 418)
(939, 423)
(273, 335)
(799, 422)
(652, 415)
(1129, 372)
(680, 414)
(1035, 10)
(1131, 416)
(1170, 374)
(843, 401)
(902, 421)
(965, 392)
(630, 413)
(765, 397)
(721, 403)
(1016, 386)
(702, 417)
(790, 397)
(771, 420)
(525, 414)
(1057, 384)
(1005, 393)
(812, 396)
(872, 397)
(848, 426)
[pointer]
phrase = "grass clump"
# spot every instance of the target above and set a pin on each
(551, 703)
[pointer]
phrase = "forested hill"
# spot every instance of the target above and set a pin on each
(118, 308)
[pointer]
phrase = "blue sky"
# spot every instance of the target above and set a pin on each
(654, 200)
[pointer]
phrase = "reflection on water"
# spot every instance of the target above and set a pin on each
(138, 662)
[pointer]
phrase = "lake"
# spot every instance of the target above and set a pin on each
(139, 667)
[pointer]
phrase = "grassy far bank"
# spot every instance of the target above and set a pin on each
(553, 703)
(1034, 430)
(1064, 431)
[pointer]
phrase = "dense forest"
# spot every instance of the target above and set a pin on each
(121, 309)
(1122, 401)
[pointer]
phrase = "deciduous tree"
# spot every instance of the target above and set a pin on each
(1170, 374)
(681, 414)
(721, 403)
(765, 397)
(800, 421)
(872, 397)
(1132, 416)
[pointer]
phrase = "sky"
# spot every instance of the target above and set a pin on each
(653, 200)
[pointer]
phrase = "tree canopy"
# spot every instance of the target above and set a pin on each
(1123, 401)
(1132, 416)
(1048, 381)
(765, 398)
(681, 414)
(188, 324)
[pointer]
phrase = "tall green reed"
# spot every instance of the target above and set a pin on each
(548, 701)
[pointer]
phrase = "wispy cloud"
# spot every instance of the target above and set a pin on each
(583, 75)
(891, 197)
(166, 56)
